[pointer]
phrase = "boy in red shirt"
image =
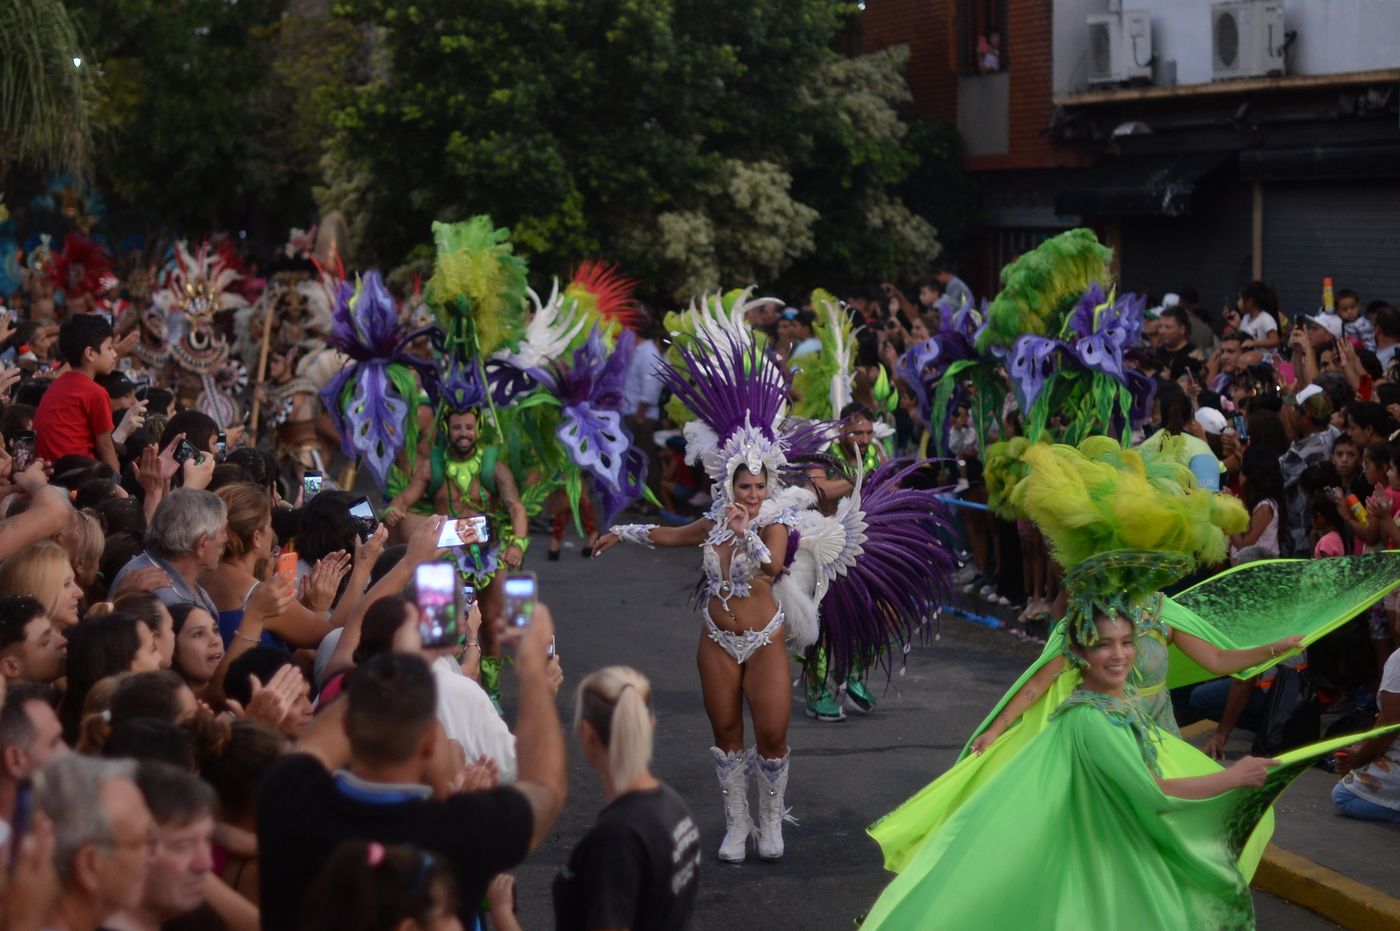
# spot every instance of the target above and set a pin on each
(75, 415)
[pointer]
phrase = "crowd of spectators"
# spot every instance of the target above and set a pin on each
(194, 735)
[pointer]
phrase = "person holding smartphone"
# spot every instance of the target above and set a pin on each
(469, 480)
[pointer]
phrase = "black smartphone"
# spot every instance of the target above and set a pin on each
(438, 608)
(520, 590)
(221, 445)
(365, 521)
(22, 450)
(468, 596)
(311, 485)
(185, 451)
(1240, 430)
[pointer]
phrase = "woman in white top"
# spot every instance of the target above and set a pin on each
(1263, 490)
(1257, 316)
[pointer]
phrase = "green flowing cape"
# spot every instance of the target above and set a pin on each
(1247, 606)
(1078, 834)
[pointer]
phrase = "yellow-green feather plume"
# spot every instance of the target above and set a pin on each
(1040, 286)
(478, 286)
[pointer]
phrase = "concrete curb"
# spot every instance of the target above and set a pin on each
(1315, 887)
(1327, 892)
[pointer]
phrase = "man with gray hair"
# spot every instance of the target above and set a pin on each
(103, 835)
(185, 537)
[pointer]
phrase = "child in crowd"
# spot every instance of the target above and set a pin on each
(1329, 530)
(1354, 324)
(1347, 458)
(74, 417)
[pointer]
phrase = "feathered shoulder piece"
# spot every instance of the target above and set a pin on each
(1121, 524)
(1039, 288)
(478, 287)
(823, 382)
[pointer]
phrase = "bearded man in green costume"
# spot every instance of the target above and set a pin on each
(465, 480)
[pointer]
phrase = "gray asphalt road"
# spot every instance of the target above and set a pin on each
(632, 607)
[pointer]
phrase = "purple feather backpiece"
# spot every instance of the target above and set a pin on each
(898, 580)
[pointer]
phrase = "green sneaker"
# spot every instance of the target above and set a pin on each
(823, 707)
(859, 696)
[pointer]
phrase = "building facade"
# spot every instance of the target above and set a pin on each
(1208, 142)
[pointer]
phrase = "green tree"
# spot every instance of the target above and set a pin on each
(701, 143)
(203, 130)
(48, 90)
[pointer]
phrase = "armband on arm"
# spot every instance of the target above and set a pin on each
(634, 533)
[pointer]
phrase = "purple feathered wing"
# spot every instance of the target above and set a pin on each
(899, 577)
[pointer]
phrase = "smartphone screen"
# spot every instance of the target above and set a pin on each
(365, 521)
(221, 445)
(184, 451)
(468, 597)
(437, 603)
(310, 484)
(22, 450)
(451, 533)
(520, 598)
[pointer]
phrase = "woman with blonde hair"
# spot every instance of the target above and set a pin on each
(43, 572)
(638, 867)
(84, 543)
(247, 561)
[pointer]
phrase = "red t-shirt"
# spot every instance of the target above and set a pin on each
(71, 415)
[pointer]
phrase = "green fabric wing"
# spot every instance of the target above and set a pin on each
(1262, 602)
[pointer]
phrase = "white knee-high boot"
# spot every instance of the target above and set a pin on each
(732, 770)
(772, 778)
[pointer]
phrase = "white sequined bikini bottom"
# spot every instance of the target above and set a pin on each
(742, 645)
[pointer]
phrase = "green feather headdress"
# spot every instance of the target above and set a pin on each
(1040, 287)
(478, 287)
(1121, 524)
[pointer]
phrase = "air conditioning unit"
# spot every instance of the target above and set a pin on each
(1120, 47)
(1247, 39)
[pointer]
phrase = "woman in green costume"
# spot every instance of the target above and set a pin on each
(1099, 498)
(1086, 829)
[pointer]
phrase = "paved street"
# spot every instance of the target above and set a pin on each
(633, 607)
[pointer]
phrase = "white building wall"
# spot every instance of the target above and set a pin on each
(1334, 37)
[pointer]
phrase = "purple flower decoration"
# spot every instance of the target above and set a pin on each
(1105, 330)
(374, 399)
(1033, 360)
(461, 384)
(589, 391)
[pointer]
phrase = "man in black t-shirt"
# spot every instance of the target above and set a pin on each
(1176, 354)
(375, 766)
(638, 868)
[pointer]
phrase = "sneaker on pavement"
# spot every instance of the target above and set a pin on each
(824, 708)
(859, 697)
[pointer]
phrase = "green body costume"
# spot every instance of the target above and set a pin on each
(1076, 833)
(1248, 606)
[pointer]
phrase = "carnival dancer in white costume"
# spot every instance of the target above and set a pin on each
(772, 561)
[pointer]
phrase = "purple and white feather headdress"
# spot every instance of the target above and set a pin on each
(739, 398)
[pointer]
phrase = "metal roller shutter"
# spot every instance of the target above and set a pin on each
(1349, 231)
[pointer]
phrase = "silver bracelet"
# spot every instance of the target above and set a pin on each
(634, 533)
